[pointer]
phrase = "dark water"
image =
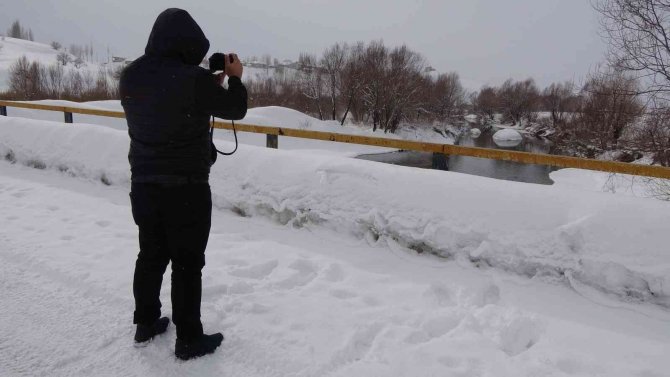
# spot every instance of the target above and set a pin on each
(511, 171)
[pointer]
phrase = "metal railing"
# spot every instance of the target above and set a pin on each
(273, 133)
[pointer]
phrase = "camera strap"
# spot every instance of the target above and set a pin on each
(211, 137)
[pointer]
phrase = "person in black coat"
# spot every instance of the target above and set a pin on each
(168, 100)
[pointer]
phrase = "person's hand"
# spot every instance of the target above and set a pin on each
(220, 78)
(234, 68)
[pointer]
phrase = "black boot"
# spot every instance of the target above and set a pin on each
(200, 346)
(145, 333)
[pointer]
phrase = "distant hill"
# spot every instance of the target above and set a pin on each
(12, 49)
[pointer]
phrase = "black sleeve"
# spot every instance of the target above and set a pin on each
(213, 99)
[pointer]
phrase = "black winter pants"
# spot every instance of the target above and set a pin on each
(174, 223)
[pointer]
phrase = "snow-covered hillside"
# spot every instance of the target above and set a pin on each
(13, 49)
(312, 268)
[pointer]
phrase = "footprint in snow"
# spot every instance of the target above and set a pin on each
(334, 273)
(257, 272)
(306, 272)
(342, 294)
(103, 224)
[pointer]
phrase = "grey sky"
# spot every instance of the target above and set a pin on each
(486, 41)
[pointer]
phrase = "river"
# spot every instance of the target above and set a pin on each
(511, 171)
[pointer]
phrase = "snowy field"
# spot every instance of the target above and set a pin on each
(313, 270)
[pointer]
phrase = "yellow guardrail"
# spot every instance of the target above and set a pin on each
(447, 149)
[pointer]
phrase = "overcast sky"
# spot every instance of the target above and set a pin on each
(485, 41)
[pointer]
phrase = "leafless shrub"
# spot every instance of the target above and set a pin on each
(63, 58)
(25, 79)
(56, 45)
(658, 188)
(55, 81)
(33, 81)
(79, 62)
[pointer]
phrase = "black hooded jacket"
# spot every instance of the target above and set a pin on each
(168, 100)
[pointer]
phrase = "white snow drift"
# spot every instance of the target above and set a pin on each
(614, 244)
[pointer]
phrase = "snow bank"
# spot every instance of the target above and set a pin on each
(621, 184)
(290, 303)
(615, 244)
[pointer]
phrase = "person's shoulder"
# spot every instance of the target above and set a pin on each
(135, 65)
(199, 71)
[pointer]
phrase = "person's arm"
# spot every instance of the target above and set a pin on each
(213, 99)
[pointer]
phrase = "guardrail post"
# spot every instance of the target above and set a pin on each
(272, 141)
(3, 111)
(440, 161)
(68, 117)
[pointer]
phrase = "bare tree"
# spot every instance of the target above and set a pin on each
(56, 45)
(447, 95)
(519, 99)
(638, 32)
(488, 102)
(311, 81)
(352, 78)
(17, 31)
(559, 99)
(374, 87)
(333, 63)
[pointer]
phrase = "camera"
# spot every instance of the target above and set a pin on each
(218, 61)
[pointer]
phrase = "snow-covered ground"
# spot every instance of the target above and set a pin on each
(311, 269)
(575, 236)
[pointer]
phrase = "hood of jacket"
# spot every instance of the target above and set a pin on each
(176, 35)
